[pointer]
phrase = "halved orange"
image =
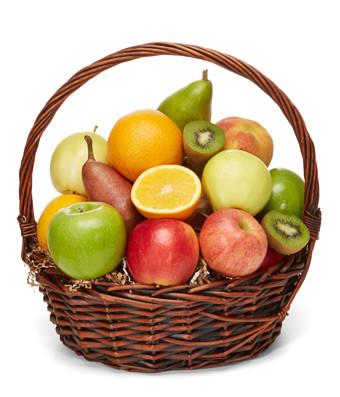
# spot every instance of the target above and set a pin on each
(166, 191)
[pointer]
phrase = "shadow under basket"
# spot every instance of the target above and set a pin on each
(144, 328)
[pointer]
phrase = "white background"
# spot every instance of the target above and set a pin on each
(43, 43)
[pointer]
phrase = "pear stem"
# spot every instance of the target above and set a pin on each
(95, 129)
(205, 75)
(88, 140)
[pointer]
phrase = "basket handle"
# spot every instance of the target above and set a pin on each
(311, 212)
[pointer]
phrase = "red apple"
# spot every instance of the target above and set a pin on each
(163, 252)
(233, 242)
(271, 258)
(247, 135)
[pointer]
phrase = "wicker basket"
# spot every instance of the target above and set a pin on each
(147, 328)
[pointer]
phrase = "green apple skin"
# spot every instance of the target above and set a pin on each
(287, 193)
(68, 159)
(87, 240)
(237, 179)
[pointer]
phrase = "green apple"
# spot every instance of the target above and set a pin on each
(287, 192)
(87, 240)
(237, 179)
(68, 159)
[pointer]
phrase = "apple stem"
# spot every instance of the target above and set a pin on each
(88, 140)
(95, 129)
(205, 75)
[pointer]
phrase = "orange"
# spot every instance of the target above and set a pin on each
(167, 191)
(50, 210)
(144, 139)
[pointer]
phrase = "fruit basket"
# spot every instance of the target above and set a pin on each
(147, 328)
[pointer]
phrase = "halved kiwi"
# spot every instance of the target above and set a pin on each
(201, 140)
(287, 234)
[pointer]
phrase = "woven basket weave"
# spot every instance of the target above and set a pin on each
(148, 328)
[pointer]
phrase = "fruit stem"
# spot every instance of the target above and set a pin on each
(88, 140)
(95, 129)
(205, 75)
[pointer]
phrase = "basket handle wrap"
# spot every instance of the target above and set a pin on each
(312, 216)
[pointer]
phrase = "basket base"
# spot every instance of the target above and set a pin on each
(144, 329)
(159, 365)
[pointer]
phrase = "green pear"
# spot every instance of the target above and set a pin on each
(192, 102)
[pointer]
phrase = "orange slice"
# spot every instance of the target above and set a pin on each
(166, 191)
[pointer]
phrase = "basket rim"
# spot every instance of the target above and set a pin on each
(151, 296)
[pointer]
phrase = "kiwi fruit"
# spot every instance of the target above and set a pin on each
(201, 140)
(287, 234)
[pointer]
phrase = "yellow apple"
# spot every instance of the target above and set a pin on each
(237, 179)
(68, 159)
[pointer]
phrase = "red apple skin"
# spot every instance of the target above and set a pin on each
(233, 242)
(247, 135)
(272, 258)
(163, 252)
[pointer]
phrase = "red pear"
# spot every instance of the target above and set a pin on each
(103, 183)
